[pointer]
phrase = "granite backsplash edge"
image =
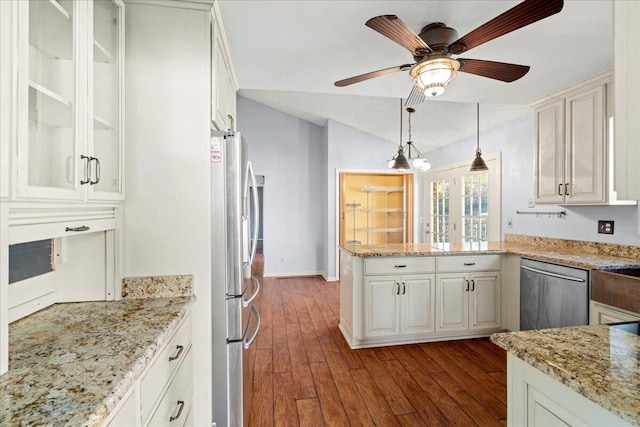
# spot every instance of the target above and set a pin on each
(157, 286)
(564, 245)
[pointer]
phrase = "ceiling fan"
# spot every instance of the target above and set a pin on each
(434, 67)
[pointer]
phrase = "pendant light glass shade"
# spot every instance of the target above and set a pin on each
(414, 157)
(478, 163)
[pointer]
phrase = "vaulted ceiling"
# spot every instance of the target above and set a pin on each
(288, 54)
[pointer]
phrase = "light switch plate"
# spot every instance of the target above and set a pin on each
(605, 227)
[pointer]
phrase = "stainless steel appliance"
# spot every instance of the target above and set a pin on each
(552, 295)
(236, 320)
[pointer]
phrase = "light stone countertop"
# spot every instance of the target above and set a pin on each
(71, 363)
(569, 256)
(598, 362)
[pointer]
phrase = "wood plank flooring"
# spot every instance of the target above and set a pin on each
(306, 375)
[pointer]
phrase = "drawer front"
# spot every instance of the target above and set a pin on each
(157, 377)
(450, 264)
(175, 405)
(400, 265)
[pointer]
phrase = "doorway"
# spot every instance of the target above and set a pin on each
(375, 208)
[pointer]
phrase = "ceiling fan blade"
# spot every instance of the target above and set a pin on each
(416, 96)
(392, 27)
(527, 12)
(493, 70)
(367, 76)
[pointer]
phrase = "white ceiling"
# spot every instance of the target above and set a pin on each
(287, 55)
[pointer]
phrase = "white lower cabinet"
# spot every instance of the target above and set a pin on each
(125, 414)
(394, 300)
(399, 304)
(535, 399)
(601, 313)
(163, 395)
(467, 302)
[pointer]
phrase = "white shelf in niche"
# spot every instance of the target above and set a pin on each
(381, 189)
(56, 111)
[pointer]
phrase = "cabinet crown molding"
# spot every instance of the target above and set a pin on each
(597, 80)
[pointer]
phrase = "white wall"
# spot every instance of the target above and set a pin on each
(299, 161)
(167, 211)
(516, 142)
(287, 151)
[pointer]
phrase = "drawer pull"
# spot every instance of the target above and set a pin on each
(181, 404)
(469, 263)
(179, 348)
(82, 228)
(400, 266)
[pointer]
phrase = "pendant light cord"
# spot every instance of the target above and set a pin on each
(401, 123)
(477, 126)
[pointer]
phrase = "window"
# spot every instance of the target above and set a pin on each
(459, 203)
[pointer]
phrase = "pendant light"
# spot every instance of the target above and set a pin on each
(478, 164)
(414, 157)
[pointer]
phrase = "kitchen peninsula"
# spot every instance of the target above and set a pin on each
(585, 375)
(405, 293)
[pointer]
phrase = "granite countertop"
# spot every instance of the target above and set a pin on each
(570, 256)
(598, 362)
(71, 363)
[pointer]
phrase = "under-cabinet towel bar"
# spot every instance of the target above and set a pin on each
(559, 214)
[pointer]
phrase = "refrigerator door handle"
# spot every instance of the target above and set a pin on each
(256, 207)
(248, 342)
(254, 294)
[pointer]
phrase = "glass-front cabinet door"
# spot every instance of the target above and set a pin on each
(48, 90)
(105, 111)
(70, 74)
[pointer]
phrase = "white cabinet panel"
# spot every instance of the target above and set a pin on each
(571, 146)
(452, 302)
(485, 307)
(401, 265)
(381, 306)
(417, 304)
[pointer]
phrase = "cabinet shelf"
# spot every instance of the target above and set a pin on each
(381, 230)
(54, 109)
(57, 42)
(100, 53)
(101, 124)
(382, 189)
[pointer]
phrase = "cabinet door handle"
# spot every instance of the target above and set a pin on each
(86, 179)
(97, 180)
(81, 228)
(181, 404)
(566, 189)
(231, 121)
(559, 189)
(397, 288)
(467, 290)
(404, 288)
(473, 285)
(469, 263)
(400, 266)
(177, 355)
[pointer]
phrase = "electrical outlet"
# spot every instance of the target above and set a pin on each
(605, 227)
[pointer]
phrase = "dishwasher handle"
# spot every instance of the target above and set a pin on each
(548, 273)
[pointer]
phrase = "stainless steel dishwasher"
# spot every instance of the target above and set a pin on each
(552, 295)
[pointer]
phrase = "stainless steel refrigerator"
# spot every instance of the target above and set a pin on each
(236, 320)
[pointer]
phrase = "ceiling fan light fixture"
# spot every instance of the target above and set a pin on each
(433, 75)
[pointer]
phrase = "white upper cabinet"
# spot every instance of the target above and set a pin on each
(627, 93)
(223, 86)
(571, 146)
(69, 94)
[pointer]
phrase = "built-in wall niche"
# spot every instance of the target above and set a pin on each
(376, 208)
(80, 270)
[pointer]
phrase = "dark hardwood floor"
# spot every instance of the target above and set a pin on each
(306, 375)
